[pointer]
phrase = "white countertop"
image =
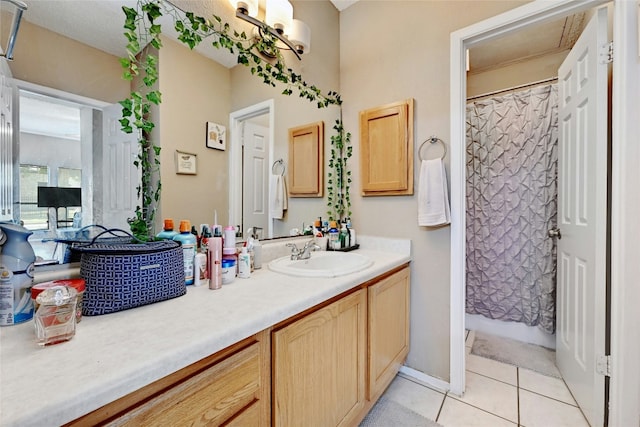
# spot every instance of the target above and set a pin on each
(116, 354)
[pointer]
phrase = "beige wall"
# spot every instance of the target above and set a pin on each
(194, 90)
(390, 51)
(55, 61)
(320, 67)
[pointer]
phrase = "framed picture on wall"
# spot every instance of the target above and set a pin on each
(216, 136)
(185, 163)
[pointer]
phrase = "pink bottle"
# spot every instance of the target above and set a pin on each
(214, 261)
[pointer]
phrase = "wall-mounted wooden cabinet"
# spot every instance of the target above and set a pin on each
(306, 160)
(386, 149)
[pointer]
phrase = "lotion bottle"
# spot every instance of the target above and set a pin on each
(168, 232)
(334, 236)
(244, 264)
(188, 242)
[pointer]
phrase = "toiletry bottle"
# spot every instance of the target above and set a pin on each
(195, 233)
(334, 236)
(168, 232)
(352, 233)
(188, 242)
(214, 261)
(257, 252)
(244, 264)
(200, 269)
(344, 236)
(229, 237)
(204, 241)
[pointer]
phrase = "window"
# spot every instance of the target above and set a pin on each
(68, 177)
(32, 176)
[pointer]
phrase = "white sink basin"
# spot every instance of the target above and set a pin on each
(322, 264)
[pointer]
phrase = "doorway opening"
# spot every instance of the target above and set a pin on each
(259, 116)
(462, 40)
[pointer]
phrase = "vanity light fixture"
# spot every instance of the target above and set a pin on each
(279, 22)
(20, 8)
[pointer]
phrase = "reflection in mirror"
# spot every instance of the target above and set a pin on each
(208, 93)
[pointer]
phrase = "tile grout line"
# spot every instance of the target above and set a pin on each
(493, 378)
(482, 410)
(441, 406)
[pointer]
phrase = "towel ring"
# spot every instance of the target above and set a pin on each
(433, 140)
(275, 165)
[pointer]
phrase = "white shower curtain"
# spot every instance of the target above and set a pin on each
(511, 205)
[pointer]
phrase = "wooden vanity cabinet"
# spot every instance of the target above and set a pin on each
(324, 367)
(331, 366)
(231, 388)
(319, 362)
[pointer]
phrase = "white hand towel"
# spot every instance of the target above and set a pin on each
(278, 192)
(433, 197)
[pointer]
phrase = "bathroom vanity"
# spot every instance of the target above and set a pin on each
(271, 350)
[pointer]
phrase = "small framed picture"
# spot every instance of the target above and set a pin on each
(185, 163)
(216, 136)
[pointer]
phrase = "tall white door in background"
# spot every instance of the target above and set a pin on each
(255, 183)
(582, 218)
(120, 176)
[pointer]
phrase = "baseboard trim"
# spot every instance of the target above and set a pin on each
(424, 379)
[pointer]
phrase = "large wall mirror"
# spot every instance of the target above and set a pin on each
(67, 55)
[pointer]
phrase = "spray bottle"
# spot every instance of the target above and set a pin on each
(214, 259)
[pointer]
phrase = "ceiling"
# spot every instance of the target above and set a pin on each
(529, 43)
(98, 23)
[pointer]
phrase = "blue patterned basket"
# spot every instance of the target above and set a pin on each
(120, 276)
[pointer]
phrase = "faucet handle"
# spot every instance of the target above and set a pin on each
(294, 251)
(311, 244)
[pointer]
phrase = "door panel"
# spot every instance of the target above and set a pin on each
(120, 176)
(255, 192)
(582, 218)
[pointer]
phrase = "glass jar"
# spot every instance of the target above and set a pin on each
(78, 284)
(55, 320)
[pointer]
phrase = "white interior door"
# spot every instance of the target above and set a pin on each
(120, 176)
(255, 191)
(582, 218)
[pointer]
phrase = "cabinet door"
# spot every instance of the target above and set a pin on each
(319, 366)
(306, 160)
(386, 149)
(388, 330)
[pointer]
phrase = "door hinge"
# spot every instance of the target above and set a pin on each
(606, 53)
(603, 365)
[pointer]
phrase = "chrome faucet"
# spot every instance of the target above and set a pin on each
(305, 253)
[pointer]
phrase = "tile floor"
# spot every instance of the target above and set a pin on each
(496, 395)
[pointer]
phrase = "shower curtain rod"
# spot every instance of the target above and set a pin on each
(526, 85)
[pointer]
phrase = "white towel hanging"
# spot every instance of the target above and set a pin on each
(433, 197)
(278, 192)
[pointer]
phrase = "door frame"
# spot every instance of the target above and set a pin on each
(624, 124)
(236, 119)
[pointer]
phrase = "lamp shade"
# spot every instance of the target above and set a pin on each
(300, 36)
(279, 15)
(250, 6)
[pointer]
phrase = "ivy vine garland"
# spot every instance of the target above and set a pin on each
(141, 65)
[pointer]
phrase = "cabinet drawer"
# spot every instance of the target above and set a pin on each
(208, 398)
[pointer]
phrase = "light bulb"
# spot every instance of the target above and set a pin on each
(279, 14)
(300, 36)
